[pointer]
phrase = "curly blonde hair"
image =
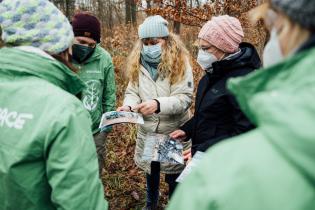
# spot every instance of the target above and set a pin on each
(174, 60)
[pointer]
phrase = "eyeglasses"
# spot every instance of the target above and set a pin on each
(152, 41)
(205, 48)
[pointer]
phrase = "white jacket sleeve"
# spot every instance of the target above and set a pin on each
(181, 95)
(132, 97)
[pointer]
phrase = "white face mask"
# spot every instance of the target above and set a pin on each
(272, 52)
(205, 60)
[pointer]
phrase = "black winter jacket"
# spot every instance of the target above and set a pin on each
(217, 114)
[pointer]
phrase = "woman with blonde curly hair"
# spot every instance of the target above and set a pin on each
(160, 88)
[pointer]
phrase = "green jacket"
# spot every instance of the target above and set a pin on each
(47, 155)
(271, 167)
(99, 96)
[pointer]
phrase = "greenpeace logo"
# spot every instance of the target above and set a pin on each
(12, 119)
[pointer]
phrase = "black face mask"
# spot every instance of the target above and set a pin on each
(81, 53)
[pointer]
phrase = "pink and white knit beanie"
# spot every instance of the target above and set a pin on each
(224, 32)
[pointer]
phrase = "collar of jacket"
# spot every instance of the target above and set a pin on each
(248, 57)
(21, 63)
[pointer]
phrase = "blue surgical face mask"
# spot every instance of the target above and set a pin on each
(205, 60)
(152, 51)
(272, 52)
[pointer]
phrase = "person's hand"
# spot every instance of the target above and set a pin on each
(147, 108)
(187, 155)
(123, 109)
(178, 135)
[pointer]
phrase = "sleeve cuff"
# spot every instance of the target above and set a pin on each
(158, 110)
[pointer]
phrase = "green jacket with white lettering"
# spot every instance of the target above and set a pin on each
(47, 155)
(99, 96)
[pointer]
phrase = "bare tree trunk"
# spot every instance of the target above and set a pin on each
(128, 11)
(176, 27)
(148, 4)
(67, 8)
(198, 3)
(133, 12)
(100, 9)
(118, 15)
(110, 15)
(177, 23)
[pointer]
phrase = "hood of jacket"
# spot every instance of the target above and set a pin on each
(21, 63)
(280, 100)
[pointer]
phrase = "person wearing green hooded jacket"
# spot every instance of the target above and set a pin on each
(97, 71)
(48, 159)
(272, 166)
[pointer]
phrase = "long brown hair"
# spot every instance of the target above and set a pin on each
(175, 58)
(61, 57)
